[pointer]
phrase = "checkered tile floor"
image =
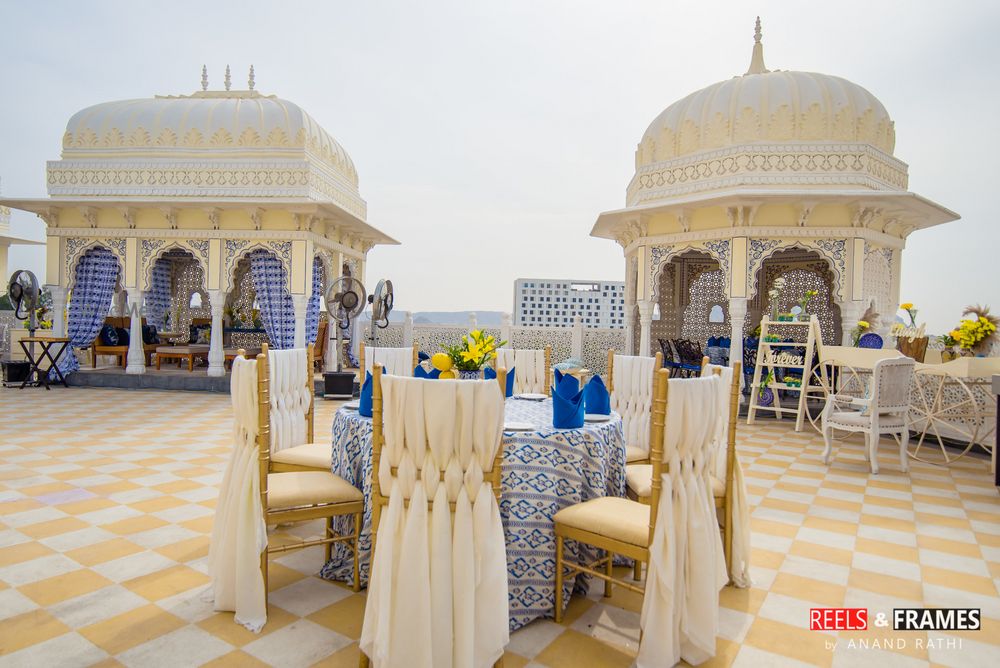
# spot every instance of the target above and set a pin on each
(106, 501)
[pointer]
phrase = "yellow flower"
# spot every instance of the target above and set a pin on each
(907, 306)
(863, 324)
(477, 334)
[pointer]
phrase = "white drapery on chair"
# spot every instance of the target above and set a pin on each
(680, 610)
(437, 597)
(740, 572)
(290, 383)
(632, 398)
(531, 373)
(239, 535)
(395, 361)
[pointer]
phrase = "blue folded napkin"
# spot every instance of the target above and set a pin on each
(489, 373)
(566, 383)
(567, 404)
(596, 398)
(365, 402)
(712, 341)
(422, 356)
(420, 372)
(726, 342)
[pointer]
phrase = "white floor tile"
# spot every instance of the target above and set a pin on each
(298, 645)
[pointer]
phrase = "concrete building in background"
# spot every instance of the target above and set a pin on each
(547, 302)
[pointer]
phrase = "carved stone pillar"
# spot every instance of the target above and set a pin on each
(136, 358)
(850, 312)
(505, 325)
(645, 326)
(216, 353)
(737, 317)
(300, 303)
(59, 294)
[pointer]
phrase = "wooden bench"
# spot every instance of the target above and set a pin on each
(121, 352)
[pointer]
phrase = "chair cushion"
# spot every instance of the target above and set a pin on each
(108, 336)
(308, 488)
(123, 336)
(639, 478)
(149, 335)
(313, 455)
(858, 419)
(611, 517)
(634, 453)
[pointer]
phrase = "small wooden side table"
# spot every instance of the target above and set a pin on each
(46, 343)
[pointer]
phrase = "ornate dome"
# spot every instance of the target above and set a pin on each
(764, 106)
(208, 124)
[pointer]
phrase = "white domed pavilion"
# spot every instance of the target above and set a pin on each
(179, 194)
(766, 175)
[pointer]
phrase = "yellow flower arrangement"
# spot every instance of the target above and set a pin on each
(475, 350)
(861, 327)
(910, 311)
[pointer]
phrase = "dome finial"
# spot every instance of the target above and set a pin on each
(229, 79)
(757, 59)
(250, 81)
(204, 77)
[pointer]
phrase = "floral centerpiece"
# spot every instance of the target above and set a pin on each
(976, 335)
(804, 303)
(860, 329)
(467, 358)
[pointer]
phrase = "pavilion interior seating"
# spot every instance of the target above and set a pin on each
(630, 384)
(532, 368)
(119, 324)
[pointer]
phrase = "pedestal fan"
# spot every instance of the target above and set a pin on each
(344, 301)
(381, 301)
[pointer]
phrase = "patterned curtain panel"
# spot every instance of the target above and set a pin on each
(312, 309)
(96, 275)
(158, 297)
(276, 308)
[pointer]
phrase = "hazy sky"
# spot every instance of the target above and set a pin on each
(488, 136)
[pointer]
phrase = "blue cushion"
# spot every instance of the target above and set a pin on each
(108, 336)
(712, 341)
(123, 337)
(149, 334)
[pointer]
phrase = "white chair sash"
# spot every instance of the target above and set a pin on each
(289, 397)
(239, 535)
(741, 509)
(394, 361)
(632, 397)
(680, 610)
(437, 596)
(529, 369)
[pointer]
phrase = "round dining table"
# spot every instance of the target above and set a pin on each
(544, 470)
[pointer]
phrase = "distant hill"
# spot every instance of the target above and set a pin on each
(484, 318)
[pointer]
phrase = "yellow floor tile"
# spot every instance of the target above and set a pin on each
(766, 558)
(344, 616)
(63, 587)
(790, 641)
(279, 576)
(883, 549)
(956, 580)
(239, 659)
(87, 506)
(105, 551)
(157, 504)
(131, 628)
(742, 600)
(943, 520)
(53, 528)
(820, 553)
(887, 585)
(826, 524)
(169, 582)
(133, 525)
(949, 546)
(16, 554)
(19, 506)
(222, 625)
(200, 525)
(575, 608)
(348, 657)
(807, 589)
(186, 550)
(29, 629)
(890, 523)
(572, 650)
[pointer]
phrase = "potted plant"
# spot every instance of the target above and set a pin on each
(949, 342)
(470, 356)
(765, 395)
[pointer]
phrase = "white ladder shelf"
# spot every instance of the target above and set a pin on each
(773, 355)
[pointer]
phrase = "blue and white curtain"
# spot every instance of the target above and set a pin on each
(89, 303)
(312, 309)
(158, 297)
(275, 302)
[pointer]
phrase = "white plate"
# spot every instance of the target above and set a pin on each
(530, 396)
(352, 405)
(596, 417)
(518, 426)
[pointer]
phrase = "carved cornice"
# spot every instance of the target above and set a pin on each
(832, 164)
(874, 236)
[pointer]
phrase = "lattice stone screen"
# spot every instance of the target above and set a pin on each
(6, 324)
(390, 337)
(706, 291)
(430, 337)
(596, 343)
(534, 338)
(877, 285)
(188, 279)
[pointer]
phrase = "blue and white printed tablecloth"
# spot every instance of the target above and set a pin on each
(544, 471)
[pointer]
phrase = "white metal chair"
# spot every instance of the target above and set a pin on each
(438, 588)
(630, 384)
(532, 368)
(885, 411)
(394, 361)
